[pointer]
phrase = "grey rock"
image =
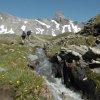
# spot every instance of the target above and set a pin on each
(33, 57)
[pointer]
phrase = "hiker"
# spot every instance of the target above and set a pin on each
(29, 34)
(23, 37)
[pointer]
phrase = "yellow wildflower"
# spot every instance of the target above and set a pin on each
(18, 82)
(37, 86)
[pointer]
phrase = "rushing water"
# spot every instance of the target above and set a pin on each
(59, 91)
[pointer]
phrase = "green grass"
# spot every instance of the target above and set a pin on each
(76, 41)
(54, 50)
(94, 76)
(61, 35)
(46, 37)
(13, 56)
(18, 75)
(79, 41)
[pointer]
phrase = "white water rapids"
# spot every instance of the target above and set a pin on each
(59, 91)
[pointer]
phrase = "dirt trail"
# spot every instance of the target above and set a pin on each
(42, 40)
(6, 93)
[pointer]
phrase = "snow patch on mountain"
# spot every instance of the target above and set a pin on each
(1, 18)
(57, 24)
(53, 33)
(74, 27)
(39, 31)
(23, 27)
(3, 29)
(10, 31)
(48, 26)
(66, 26)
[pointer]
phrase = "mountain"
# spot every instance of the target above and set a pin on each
(59, 24)
(92, 27)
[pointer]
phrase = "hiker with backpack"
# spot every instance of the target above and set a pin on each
(23, 37)
(29, 34)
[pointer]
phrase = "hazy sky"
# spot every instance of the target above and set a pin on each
(77, 10)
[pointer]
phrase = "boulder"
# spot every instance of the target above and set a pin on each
(32, 61)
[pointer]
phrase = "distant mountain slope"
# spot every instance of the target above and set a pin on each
(59, 24)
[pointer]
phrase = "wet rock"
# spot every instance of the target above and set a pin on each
(32, 61)
(32, 57)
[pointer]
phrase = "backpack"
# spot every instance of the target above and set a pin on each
(29, 33)
(23, 34)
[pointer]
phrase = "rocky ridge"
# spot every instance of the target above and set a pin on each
(11, 24)
(92, 26)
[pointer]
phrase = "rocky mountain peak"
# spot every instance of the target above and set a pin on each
(59, 24)
(59, 14)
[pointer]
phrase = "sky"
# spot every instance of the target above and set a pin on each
(77, 10)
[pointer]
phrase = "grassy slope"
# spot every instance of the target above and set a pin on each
(13, 57)
(74, 41)
(56, 48)
(61, 35)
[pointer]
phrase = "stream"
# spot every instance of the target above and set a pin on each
(59, 91)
